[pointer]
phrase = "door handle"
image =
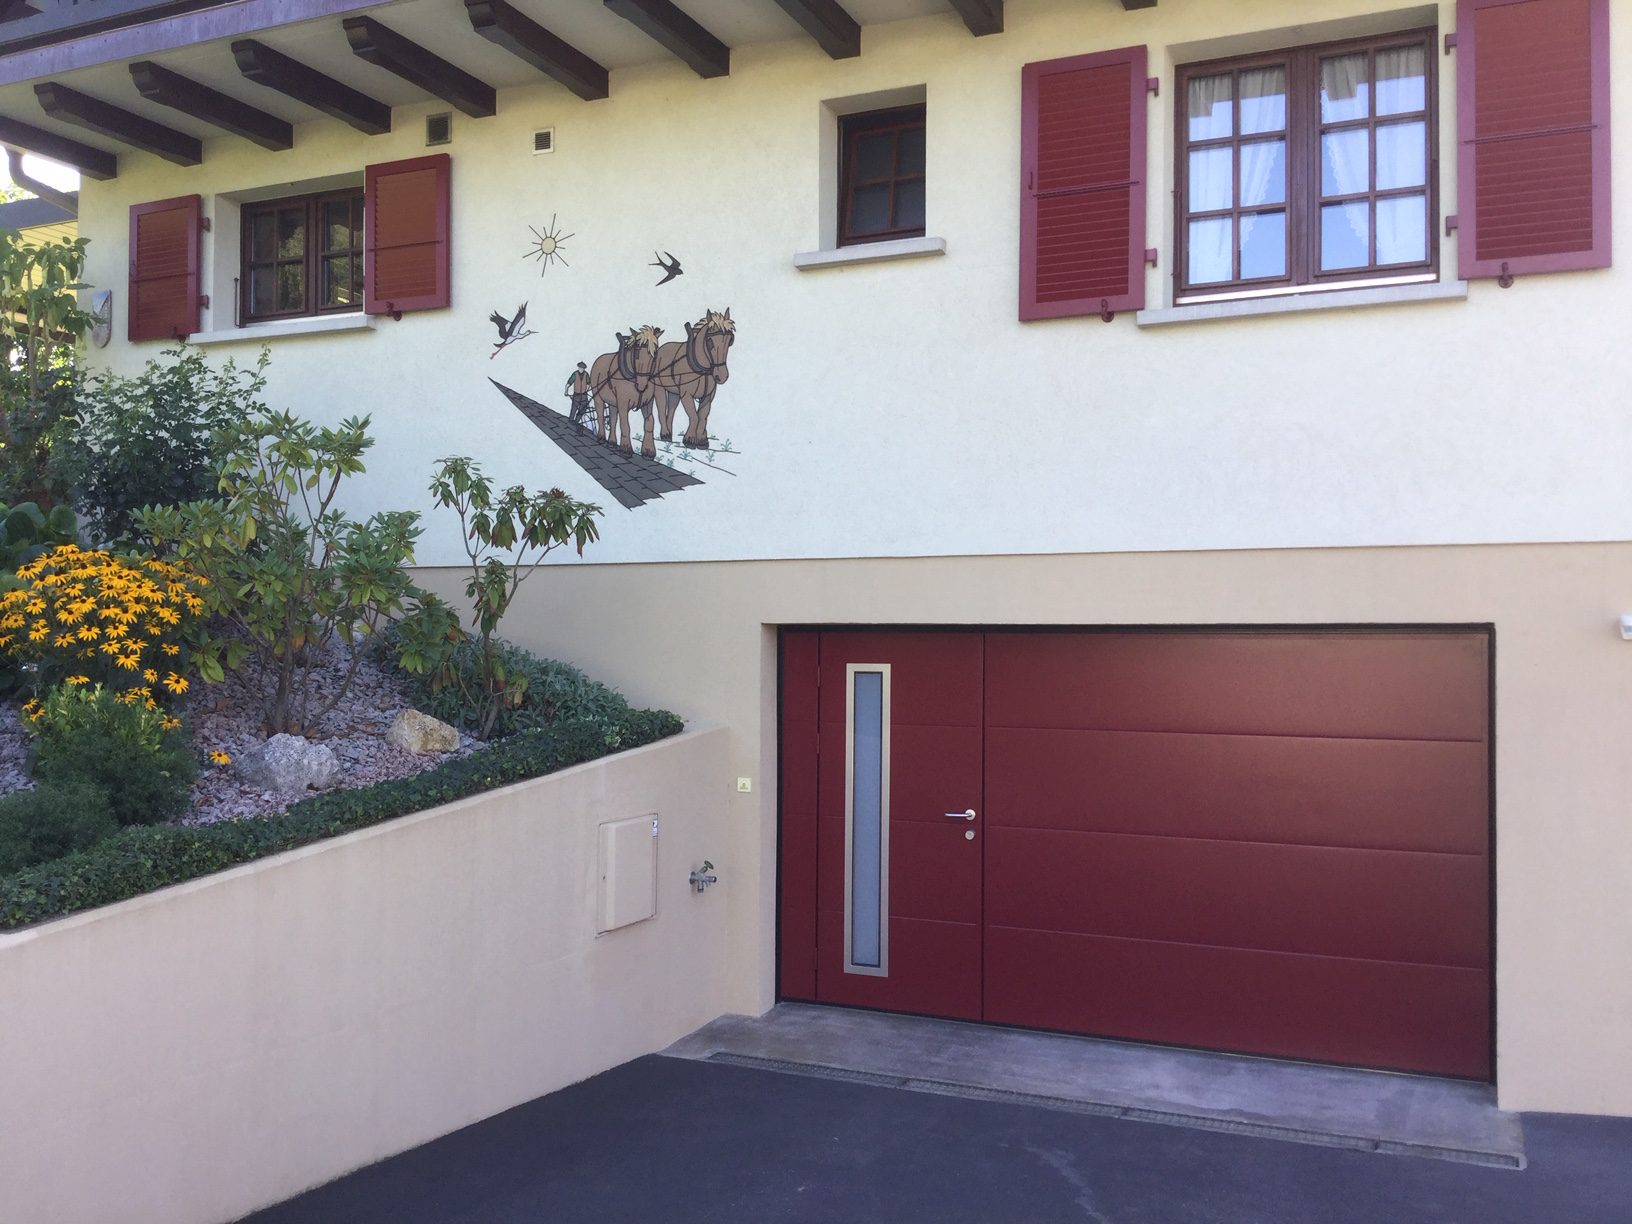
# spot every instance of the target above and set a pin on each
(968, 815)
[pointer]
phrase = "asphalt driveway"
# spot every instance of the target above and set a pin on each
(670, 1141)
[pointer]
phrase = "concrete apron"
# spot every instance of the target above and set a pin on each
(1375, 1111)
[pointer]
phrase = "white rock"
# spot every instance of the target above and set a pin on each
(288, 763)
(422, 734)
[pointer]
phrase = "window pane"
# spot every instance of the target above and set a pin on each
(1263, 173)
(870, 209)
(909, 155)
(1211, 107)
(1211, 178)
(1402, 80)
(1345, 236)
(263, 285)
(291, 287)
(1343, 162)
(1345, 92)
(875, 157)
(337, 281)
(866, 898)
(337, 230)
(291, 233)
(262, 243)
(1209, 251)
(1263, 245)
(909, 205)
(1263, 100)
(1402, 155)
(1402, 230)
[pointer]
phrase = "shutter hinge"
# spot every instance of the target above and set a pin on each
(1450, 42)
(1505, 280)
(1106, 314)
(204, 223)
(1153, 85)
(1150, 256)
(1452, 224)
(204, 300)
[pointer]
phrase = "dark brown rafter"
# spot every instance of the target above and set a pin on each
(71, 106)
(159, 84)
(275, 70)
(385, 48)
(981, 16)
(834, 30)
(1130, 5)
(92, 163)
(519, 34)
(677, 33)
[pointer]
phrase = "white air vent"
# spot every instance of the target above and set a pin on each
(439, 128)
(544, 140)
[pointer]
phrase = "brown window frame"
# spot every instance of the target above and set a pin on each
(851, 129)
(314, 251)
(1304, 200)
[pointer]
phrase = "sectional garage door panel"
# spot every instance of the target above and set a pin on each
(1368, 1013)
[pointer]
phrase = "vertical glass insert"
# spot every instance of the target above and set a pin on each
(867, 820)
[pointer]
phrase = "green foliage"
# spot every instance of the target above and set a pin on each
(140, 860)
(27, 532)
(150, 440)
(138, 757)
(37, 826)
(288, 572)
(507, 534)
(40, 328)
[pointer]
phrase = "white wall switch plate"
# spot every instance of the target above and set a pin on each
(745, 785)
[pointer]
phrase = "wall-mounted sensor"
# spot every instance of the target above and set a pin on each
(1626, 626)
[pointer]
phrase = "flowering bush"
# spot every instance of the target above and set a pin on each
(87, 617)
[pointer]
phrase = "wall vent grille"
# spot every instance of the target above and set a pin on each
(439, 128)
(544, 140)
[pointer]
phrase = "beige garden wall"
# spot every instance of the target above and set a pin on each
(188, 1056)
(698, 638)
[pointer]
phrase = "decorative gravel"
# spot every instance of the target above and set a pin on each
(227, 717)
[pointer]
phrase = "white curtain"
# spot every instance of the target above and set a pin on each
(1402, 156)
(1211, 172)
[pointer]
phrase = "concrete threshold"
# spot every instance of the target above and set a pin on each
(1373, 1111)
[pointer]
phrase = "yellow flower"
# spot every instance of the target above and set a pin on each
(151, 676)
(171, 649)
(128, 662)
(220, 758)
(78, 680)
(170, 723)
(175, 683)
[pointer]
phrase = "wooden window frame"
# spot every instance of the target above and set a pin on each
(1304, 200)
(851, 129)
(311, 259)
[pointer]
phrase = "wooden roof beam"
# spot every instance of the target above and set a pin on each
(834, 30)
(116, 123)
(677, 33)
(159, 84)
(385, 48)
(981, 16)
(508, 27)
(92, 163)
(275, 70)
(1130, 5)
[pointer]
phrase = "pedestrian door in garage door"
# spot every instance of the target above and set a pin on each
(1266, 842)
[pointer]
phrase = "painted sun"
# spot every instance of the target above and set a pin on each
(547, 246)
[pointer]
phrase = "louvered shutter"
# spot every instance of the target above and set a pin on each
(1082, 207)
(165, 249)
(406, 228)
(1533, 123)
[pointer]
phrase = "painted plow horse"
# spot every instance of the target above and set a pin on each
(688, 374)
(621, 383)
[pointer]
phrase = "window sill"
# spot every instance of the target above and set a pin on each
(1300, 303)
(869, 252)
(314, 326)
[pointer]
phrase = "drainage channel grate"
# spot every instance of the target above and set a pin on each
(1130, 1113)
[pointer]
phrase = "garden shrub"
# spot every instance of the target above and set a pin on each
(50, 821)
(27, 532)
(150, 440)
(93, 617)
(139, 860)
(138, 756)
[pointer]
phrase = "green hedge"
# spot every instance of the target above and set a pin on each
(141, 859)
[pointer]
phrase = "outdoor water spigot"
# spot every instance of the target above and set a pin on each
(703, 877)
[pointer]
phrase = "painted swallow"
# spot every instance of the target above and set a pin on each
(670, 265)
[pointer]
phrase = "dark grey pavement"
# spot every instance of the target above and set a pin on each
(670, 1141)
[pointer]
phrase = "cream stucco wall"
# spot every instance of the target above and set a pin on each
(900, 408)
(191, 1055)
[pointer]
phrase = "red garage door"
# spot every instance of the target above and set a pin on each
(1267, 842)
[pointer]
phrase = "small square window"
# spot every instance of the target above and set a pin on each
(302, 256)
(881, 176)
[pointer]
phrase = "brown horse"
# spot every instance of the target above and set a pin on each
(621, 382)
(688, 374)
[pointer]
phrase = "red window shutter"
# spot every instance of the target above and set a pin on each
(406, 223)
(166, 237)
(1082, 202)
(1533, 124)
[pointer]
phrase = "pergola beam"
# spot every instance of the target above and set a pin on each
(981, 16)
(385, 48)
(70, 106)
(159, 84)
(275, 70)
(834, 30)
(92, 163)
(507, 27)
(677, 33)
